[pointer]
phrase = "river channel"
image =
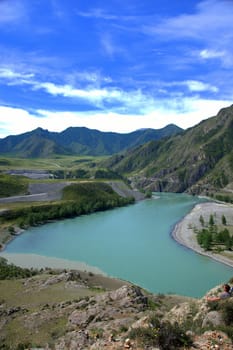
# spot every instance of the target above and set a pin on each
(132, 243)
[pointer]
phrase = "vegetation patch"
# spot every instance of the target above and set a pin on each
(78, 199)
(161, 334)
(10, 271)
(12, 185)
(213, 237)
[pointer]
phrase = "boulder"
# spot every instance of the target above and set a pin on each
(212, 319)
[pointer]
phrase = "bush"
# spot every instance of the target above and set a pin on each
(10, 271)
(228, 330)
(161, 334)
(227, 312)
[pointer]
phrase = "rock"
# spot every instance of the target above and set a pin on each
(212, 340)
(56, 279)
(213, 318)
(179, 313)
(74, 341)
(99, 308)
(141, 323)
(127, 344)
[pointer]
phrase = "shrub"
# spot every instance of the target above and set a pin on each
(10, 271)
(161, 334)
(227, 312)
(11, 230)
(228, 330)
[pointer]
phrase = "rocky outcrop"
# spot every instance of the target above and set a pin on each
(100, 309)
(124, 317)
(93, 321)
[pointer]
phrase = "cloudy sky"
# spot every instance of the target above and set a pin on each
(115, 65)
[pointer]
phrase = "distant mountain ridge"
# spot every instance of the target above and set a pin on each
(78, 141)
(197, 160)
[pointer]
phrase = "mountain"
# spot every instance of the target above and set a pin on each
(79, 141)
(198, 160)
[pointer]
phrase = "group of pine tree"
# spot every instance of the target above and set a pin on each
(211, 237)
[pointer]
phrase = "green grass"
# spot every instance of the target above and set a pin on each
(42, 310)
(15, 294)
(12, 185)
(59, 162)
(36, 336)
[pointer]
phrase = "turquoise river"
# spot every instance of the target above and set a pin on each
(132, 243)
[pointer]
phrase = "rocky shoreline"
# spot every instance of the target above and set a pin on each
(184, 234)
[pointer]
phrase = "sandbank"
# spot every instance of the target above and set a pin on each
(184, 234)
(39, 261)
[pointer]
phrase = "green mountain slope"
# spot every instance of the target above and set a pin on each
(78, 141)
(199, 159)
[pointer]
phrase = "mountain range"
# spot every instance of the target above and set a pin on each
(199, 159)
(78, 141)
(196, 160)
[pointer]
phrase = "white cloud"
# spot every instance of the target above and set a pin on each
(211, 17)
(9, 74)
(110, 47)
(210, 54)
(107, 45)
(130, 100)
(225, 56)
(92, 95)
(11, 11)
(16, 121)
(194, 85)
(97, 13)
(211, 25)
(111, 99)
(93, 77)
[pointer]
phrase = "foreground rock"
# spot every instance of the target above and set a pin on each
(67, 310)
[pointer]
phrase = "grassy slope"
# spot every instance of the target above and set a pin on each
(30, 297)
(59, 162)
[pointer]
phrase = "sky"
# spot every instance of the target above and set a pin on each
(115, 65)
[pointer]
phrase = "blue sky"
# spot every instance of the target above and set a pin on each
(113, 65)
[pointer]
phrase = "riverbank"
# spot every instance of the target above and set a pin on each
(39, 261)
(51, 194)
(184, 234)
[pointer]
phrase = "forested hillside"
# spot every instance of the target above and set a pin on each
(199, 159)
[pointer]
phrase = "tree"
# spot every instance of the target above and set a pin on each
(11, 230)
(224, 221)
(211, 220)
(201, 219)
(207, 241)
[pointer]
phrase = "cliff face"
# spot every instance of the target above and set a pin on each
(78, 310)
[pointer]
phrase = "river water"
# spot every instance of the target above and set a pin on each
(132, 243)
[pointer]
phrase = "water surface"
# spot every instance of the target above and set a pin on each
(133, 243)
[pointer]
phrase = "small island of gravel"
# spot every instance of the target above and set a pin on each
(184, 232)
